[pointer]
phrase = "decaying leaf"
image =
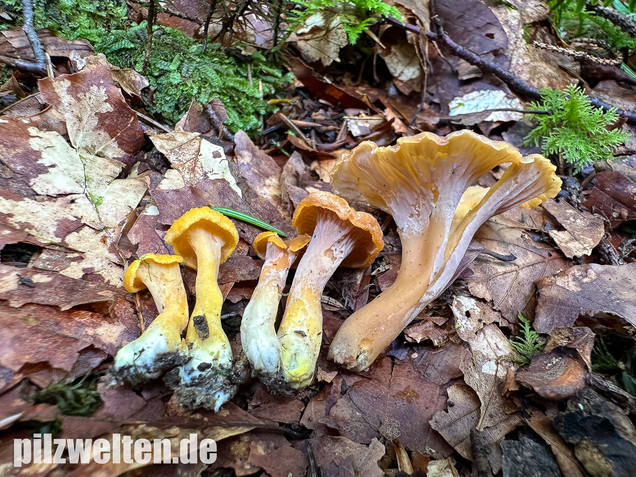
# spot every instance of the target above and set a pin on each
(586, 290)
(396, 403)
(258, 170)
(555, 375)
(98, 120)
(478, 101)
(321, 37)
(581, 232)
(195, 158)
(510, 284)
(462, 416)
(614, 197)
(341, 457)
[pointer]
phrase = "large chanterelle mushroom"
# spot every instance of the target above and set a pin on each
(424, 182)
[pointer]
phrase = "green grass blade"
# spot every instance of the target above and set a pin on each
(243, 217)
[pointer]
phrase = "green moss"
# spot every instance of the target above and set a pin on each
(177, 70)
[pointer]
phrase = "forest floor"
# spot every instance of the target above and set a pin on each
(525, 365)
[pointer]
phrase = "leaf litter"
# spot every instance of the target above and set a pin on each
(79, 197)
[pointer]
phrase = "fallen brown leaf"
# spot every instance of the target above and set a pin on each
(586, 290)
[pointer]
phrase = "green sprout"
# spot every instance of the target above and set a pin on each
(243, 217)
(527, 344)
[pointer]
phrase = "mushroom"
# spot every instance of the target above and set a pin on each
(423, 182)
(258, 335)
(205, 239)
(340, 235)
(160, 347)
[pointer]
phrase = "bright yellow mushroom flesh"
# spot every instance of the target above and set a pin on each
(160, 347)
(258, 334)
(205, 238)
(340, 235)
(424, 183)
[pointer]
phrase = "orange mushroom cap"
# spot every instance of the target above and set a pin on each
(369, 237)
(211, 220)
(293, 245)
(132, 282)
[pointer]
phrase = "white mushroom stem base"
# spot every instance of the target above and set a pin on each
(150, 355)
(160, 347)
(258, 333)
(300, 332)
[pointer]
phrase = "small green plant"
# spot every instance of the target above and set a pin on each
(573, 129)
(72, 399)
(356, 16)
(622, 370)
(527, 344)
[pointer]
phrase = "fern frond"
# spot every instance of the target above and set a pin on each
(527, 344)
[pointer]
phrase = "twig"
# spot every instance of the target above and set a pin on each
(516, 84)
(34, 39)
(217, 123)
(153, 122)
(617, 18)
(206, 25)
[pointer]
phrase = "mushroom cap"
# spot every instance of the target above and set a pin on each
(132, 282)
(262, 239)
(369, 237)
(214, 222)
(294, 245)
(406, 179)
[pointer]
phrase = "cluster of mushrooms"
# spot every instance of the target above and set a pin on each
(426, 182)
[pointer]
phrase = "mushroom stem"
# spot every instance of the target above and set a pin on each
(258, 334)
(205, 336)
(300, 332)
(160, 347)
(387, 315)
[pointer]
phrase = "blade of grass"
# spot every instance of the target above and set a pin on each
(243, 217)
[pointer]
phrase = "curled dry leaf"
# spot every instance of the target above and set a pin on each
(582, 231)
(558, 374)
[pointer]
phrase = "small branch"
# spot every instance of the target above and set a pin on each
(617, 18)
(206, 25)
(217, 123)
(36, 45)
(516, 84)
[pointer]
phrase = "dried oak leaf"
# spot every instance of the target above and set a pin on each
(586, 290)
(582, 231)
(510, 284)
